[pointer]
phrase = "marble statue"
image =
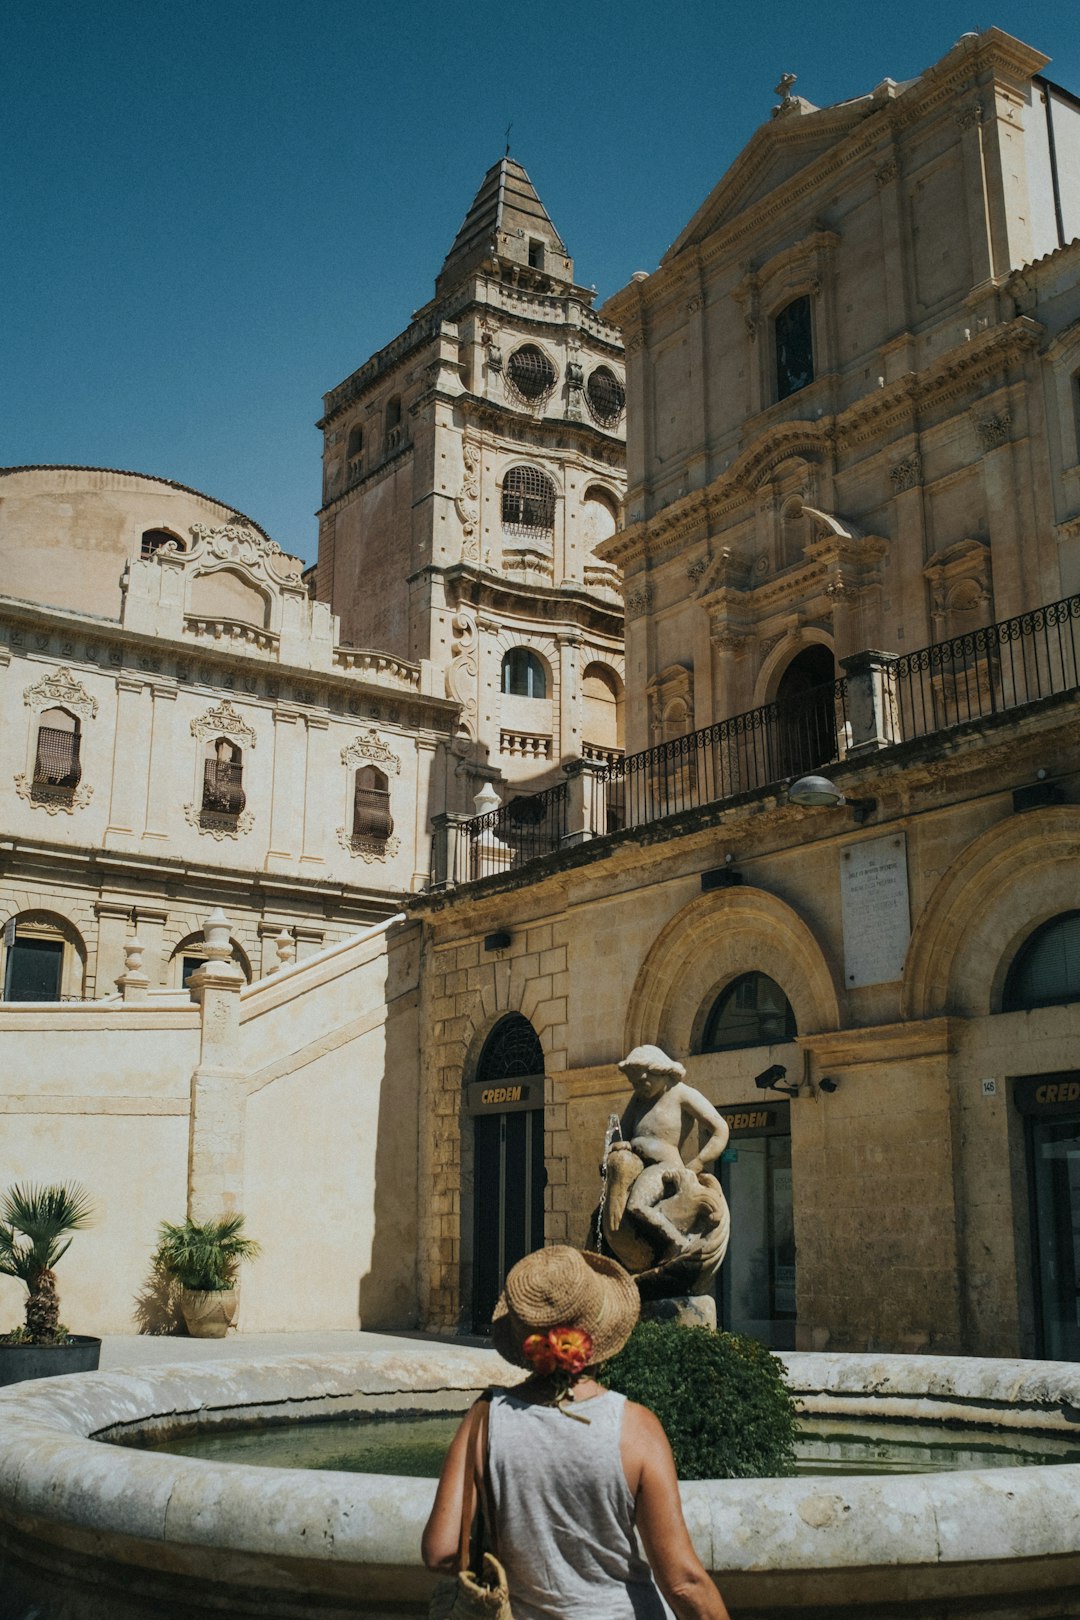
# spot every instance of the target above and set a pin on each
(666, 1220)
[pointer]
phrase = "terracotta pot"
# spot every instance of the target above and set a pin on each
(209, 1314)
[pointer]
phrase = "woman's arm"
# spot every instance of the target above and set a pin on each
(442, 1533)
(650, 1473)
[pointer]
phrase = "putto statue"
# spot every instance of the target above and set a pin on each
(665, 1220)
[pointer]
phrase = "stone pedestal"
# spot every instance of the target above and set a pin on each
(690, 1310)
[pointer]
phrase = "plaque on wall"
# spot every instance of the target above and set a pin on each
(876, 910)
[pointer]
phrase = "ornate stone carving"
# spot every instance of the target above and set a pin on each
(62, 691)
(467, 500)
(639, 601)
(726, 638)
(369, 849)
(888, 172)
(970, 115)
(218, 825)
(695, 569)
(751, 327)
(693, 305)
(223, 722)
(370, 746)
(993, 431)
(236, 542)
(461, 676)
(907, 473)
(43, 796)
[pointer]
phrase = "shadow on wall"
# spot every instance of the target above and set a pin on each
(388, 1292)
(156, 1306)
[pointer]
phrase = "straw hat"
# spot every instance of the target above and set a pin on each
(564, 1287)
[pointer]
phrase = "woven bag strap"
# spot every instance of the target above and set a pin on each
(478, 1426)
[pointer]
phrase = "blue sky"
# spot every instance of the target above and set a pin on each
(215, 209)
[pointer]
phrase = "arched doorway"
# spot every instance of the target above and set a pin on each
(806, 713)
(506, 1102)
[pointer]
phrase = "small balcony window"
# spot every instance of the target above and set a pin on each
(371, 805)
(57, 767)
(528, 502)
(154, 539)
(794, 336)
(223, 793)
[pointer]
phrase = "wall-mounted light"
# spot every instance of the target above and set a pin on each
(818, 793)
(498, 942)
(771, 1079)
(828, 1085)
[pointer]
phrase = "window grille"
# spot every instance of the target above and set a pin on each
(523, 674)
(223, 793)
(793, 331)
(530, 373)
(606, 396)
(528, 502)
(57, 760)
(154, 539)
(371, 805)
(511, 1050)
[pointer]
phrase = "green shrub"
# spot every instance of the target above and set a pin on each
(720, 1396)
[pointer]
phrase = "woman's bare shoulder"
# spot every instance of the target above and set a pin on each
(642, 1427)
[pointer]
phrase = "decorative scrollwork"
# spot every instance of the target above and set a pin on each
(369, 849)
(237, 542)
(51, 798)
(370, 746)
(217, 823)
(61, 690)
(223, 722)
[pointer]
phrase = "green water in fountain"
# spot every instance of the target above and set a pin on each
(415, 1444)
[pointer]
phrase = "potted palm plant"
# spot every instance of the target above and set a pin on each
(203, 1259)
(33, 1222)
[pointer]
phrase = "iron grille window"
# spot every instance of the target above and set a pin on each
(511, 1050)
(793, 329)
(222, 791)
(530, 373)
(154, 539)
(607, 396)
(528, 502)
(56, 763)
(371, 805)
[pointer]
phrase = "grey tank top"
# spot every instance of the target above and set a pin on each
(564, 1515)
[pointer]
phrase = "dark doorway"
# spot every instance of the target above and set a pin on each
(806, 713)
(506, 1101)
(1051, 1106)
(34, 969)
(755, 1291)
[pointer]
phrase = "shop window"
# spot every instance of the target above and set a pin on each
(528, 502)
(1046, 969)
(57, 767)
(154, 539)
(223, 773)
(530, 374)
(523, 674)
(794, 340)
(371, 804)
(752, 1011)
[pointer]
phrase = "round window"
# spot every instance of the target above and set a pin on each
(607, 396)
(531, 373)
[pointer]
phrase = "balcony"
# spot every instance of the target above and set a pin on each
(883, 702)
(223, 794)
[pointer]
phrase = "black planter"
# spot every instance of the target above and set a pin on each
(21, 1361)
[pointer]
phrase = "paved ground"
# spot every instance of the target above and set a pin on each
(142, 1350)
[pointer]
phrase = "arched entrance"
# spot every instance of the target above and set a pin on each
(506, 1102)
(806, 713)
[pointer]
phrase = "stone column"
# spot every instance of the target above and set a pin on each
(568, 739)
(164, 795)
(114, 925)
(287, 804)
(314, 791)
(151, 927)
(448, 859)
(216, 1134)
(131, 756)
(872, 711)
(425, 795)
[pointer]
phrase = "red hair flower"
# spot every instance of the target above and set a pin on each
(567, 1348)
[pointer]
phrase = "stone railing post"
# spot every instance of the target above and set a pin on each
(872, 710)
(584, 812)
(446, 857)
(216, 1132)
(133, 984)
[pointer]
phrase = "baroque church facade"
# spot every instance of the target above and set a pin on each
(824, 853)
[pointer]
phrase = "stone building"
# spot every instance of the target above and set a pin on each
(182, 729)
(470, 470)
(850, 552)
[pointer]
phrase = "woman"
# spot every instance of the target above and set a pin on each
(575, 1473)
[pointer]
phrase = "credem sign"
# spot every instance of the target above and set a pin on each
(505, 1096)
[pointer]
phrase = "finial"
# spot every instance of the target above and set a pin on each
(509, 127)
(784, 87)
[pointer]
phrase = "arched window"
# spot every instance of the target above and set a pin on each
(793, 335)
(371, 804)
(223, 773)
(1046, 969)
(528, 502)
(805, 731)
(601, 701)
(154, 539)
(523, 674)
(44, 959)
(56, 757)
(530, 374)
(354, 447)
(751, 1011)
(511, 1051)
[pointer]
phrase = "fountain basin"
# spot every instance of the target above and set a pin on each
(97, 1532)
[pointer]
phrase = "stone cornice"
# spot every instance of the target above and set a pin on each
(873, 417)
(475, 587)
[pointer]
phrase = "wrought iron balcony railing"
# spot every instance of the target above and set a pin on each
(884, 700)
(223, 794)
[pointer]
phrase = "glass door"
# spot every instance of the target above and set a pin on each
(756, 1286)
(508, 1210)
(1055, 1165)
